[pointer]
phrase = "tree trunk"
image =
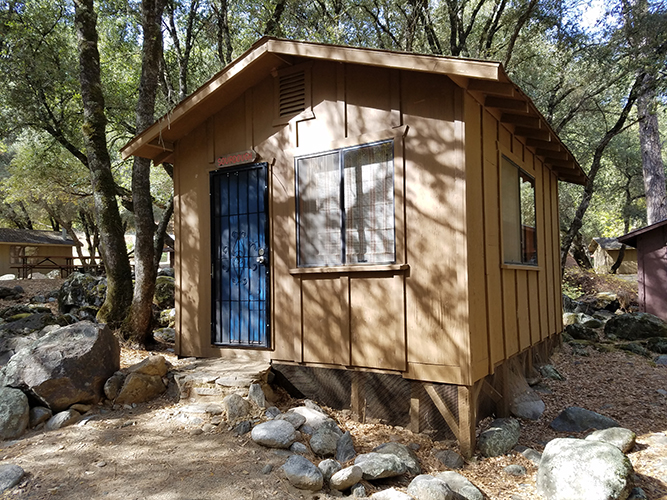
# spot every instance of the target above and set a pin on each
(651, 148)
(139, 323)
(619, 259)
(161, 233)
(114, 252)
(580, 253)
(577, 222)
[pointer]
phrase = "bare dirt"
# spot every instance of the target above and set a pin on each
(153, 452)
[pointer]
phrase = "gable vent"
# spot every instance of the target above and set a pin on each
(292, 93)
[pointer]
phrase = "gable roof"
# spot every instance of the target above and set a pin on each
(605, 244)
(30, 237)
(485, 80)
(631, 237)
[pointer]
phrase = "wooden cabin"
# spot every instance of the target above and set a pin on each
(605, 251)
(384, 219)
(651, 245)
(24, 251)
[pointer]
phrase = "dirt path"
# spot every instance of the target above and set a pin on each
(158, 451)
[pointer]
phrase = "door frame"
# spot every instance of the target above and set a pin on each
(267, 308)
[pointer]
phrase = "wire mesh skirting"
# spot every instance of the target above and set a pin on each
(387, 395)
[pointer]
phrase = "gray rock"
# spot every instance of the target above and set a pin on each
(308, 403)
(14, 413)
(635, 326)
(346, 478)
(26, 323)
(591, 322)
(139, 387)
(635, 348)
(62, 419)
(405, 454)
(529, 453)
(273, 412)
(307, 430)
(427, 487)
(256, 395)
(113, 385)
(314, 418)
(460, 485)
(637, 494)
(298, 448)
(328, 468)
(569, 305)
(302, 473)
(358, 491)
(242, 428)
(390, 494)
(661, 360)
(67, 366)
(380, 465)
(658, 345)
(501, 436)
(515, 470)
(570, 318)
(274, 434)
(236, 407)
(39, 414)
(550, 371)
(165, 288)
(345, 448)
(267, 469)
(575, 419)
(576, 469)
(324, 442)
(449, 458)
(527, 405)
(623, 439)
(10, 475)
(296, 419)
(166, 334)
(581, 332)
(80, 290)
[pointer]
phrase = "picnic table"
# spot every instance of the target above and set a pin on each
(64, 263)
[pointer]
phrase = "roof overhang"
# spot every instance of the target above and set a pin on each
(631, 237)
(485, 80)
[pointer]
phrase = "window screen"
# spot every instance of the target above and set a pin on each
(345, 206)
(518, 215)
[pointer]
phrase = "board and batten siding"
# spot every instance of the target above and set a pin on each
(456, 313)
(511, 308)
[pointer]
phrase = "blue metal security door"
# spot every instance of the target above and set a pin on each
(240, 257)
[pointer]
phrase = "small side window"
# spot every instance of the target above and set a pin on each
(518, 214)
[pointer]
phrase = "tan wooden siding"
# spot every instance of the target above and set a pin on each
(457, 312)
(437, 309)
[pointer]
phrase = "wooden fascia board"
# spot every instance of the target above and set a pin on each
(483, 70)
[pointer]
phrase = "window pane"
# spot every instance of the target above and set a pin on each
(511, 212)
(528, 231)
(319, 210)
(369, 204)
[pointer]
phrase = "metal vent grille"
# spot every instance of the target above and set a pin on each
(292, 93)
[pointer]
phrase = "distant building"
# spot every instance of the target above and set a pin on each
(19, 247)
(651, 245)
(605, 252)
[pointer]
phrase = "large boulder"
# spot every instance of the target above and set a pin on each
(460, 485)
(425, 487)
(635, 326)
(380, 465)
(66, 366)
(581, 332)
(26, 323)
(164, 292)
(623, 439)
(14, 413)
(501, 436)
(575, 419)
(274, 434)
(576, 469)
(81, 290)
(405, 454)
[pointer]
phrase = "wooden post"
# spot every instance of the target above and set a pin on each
(358, 396)
(468, 397)
(503, 406)
(415, 393)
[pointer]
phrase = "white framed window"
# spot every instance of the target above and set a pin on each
(345, 206)
(518, 213)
